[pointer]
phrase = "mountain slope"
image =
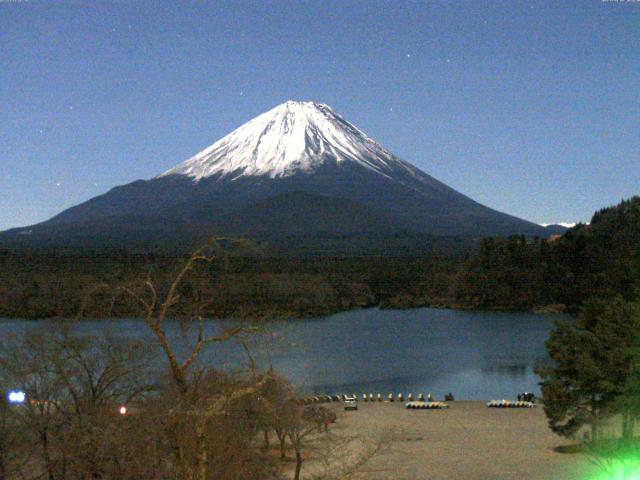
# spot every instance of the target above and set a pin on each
(295, 147)
(305, 214)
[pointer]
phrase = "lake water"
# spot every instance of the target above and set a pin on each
(475, 355)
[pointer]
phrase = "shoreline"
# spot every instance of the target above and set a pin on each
(274, 316)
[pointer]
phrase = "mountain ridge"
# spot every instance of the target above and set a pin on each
(295, 147)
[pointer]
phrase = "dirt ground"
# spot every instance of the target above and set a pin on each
(467, 441)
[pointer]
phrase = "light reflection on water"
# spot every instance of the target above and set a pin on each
(475, 355)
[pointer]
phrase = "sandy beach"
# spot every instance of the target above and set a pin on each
(467, 441)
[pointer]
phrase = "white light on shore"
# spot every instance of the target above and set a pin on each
(123, 410)
(16, 397)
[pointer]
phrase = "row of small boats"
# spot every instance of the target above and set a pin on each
(420, 403)
(510, 404)
(322, 399)
(365, 398)
(426, 405)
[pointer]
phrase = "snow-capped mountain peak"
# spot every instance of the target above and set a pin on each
(292, 137)
(298, 170)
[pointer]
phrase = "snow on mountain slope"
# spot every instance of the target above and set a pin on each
(562, 224)
(291, 138)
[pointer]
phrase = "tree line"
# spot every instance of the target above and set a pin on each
(513, 273)
(601, 259)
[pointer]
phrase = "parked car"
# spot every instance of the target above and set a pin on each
(350, 403)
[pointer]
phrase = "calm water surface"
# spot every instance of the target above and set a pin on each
(475, 355)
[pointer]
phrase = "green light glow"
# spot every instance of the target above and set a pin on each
(622, 469)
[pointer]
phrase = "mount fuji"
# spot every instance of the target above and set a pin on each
(298, 170)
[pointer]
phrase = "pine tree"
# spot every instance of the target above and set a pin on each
(595, 365)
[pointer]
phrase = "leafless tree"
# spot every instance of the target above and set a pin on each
(200, 423)
(157, 309)
(74, 385)
(298, 429)
(13, 443)
(197, 407)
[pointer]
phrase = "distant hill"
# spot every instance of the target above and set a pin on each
(601, 259)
